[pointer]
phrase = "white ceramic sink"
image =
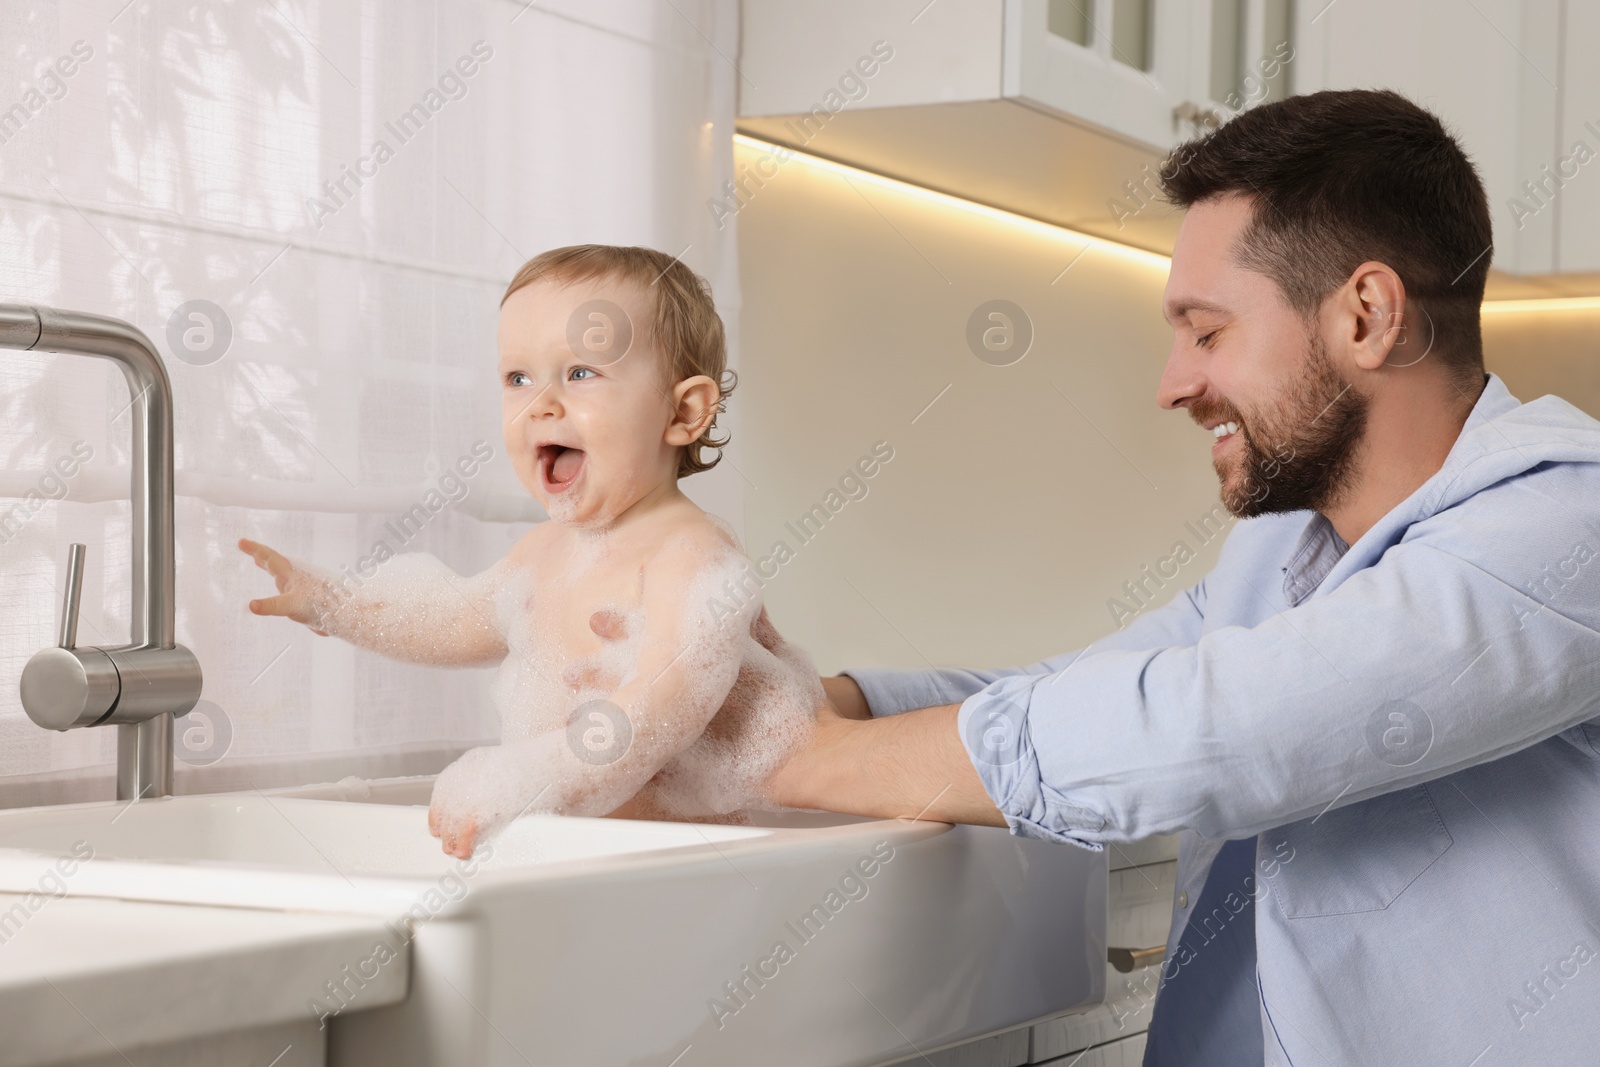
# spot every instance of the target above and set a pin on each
(606, 941)
(255, 850)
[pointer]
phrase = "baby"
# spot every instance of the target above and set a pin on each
(638, 676)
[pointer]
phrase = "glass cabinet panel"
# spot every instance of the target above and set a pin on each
(1070, 19)
(1227, 47)
(1250, 50)
(1130, 32)
(1081, 21)
(1277, 33)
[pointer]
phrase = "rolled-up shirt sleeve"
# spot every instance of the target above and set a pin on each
(1247, 728)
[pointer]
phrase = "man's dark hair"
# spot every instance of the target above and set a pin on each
(1342, 177)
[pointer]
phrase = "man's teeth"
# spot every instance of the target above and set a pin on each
(1223, 429)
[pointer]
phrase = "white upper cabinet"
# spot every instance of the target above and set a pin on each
(1158, 71)
(1513, 79)
(1574, 166)
(1056, 109)
(1062, 109)
(1124, 65)
(867, 53)
(1152, 71)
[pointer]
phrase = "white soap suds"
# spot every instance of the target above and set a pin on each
(651, 683)
(413, 608)
(711, 699)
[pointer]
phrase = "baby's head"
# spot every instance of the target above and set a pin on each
(613, 368)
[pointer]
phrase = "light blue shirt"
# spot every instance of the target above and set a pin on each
(1411, 724)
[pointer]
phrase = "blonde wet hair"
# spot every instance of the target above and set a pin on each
(684, 324)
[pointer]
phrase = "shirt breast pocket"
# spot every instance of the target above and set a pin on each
(1357, 858)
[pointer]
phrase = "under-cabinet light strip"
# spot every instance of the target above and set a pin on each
(1054, 231)
(1554, 303)
(948, 200)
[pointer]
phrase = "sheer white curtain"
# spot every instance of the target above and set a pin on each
(349, 186)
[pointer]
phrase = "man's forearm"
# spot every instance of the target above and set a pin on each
(901, 766)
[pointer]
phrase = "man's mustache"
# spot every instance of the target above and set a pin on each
(1213, 410)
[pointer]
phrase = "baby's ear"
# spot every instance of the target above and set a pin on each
(694, 406)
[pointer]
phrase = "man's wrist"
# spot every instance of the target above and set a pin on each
(803, 780)
(904, 766)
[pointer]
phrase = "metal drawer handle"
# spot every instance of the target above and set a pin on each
(1131, 959)
(1198, 116)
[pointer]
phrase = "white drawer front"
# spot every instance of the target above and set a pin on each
(1140, 904)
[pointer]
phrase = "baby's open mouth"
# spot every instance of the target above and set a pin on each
(559, 466)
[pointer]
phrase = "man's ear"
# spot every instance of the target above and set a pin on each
(1370, 317)
(694, 405)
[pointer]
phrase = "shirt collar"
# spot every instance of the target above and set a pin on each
(1314, 555)
(1495, 400)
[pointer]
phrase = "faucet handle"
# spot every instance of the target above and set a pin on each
(68, 686)
(73, 594)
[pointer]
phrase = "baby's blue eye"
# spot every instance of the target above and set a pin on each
(573, 377)
(512, 376)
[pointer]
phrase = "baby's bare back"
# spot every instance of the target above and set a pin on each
(766, 716)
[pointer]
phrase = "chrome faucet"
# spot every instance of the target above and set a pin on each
(141, 686)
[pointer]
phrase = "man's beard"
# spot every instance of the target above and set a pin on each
(1300, 456)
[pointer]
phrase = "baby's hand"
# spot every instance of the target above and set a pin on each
(457, 831)
(296, 588)
(477, 795)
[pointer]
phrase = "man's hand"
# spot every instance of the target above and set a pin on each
(910, 766)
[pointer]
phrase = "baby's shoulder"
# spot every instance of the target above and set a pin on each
(691, 557)
(697, 542)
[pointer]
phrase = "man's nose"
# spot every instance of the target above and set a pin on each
(1182, 380)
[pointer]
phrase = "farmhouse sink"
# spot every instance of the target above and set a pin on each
(810, 940)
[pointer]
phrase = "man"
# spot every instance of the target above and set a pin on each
(1374, 722)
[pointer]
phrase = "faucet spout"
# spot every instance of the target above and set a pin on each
(139, 686)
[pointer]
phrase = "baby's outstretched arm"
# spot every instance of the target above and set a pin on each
(415, 608)
(689, 660)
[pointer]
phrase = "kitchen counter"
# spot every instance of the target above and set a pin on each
(91, 981)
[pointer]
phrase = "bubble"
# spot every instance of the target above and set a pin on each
(599, 732)
(199, 332)
(599, 332)
(202, 735)
(999, 332)
(1399, 733)
(563, 508)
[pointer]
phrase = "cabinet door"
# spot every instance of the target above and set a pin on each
(1246, 53)
(1156, 71)
(1577, 162)
(1526, 218)
(1487, 70)
(801, 58)
(1120, 64)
